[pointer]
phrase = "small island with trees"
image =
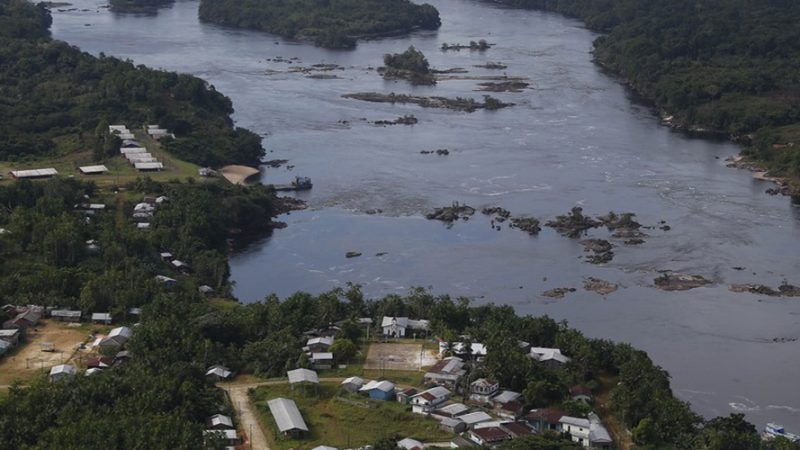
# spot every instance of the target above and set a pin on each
(410, 65)
(328, 23)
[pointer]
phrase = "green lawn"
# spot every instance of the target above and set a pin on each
(120, 170)
(343, 422)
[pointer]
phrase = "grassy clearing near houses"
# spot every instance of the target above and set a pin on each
(120, 171)
(343, 422)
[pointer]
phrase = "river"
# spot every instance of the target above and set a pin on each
(575, 137)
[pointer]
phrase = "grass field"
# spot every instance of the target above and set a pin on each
(120, 171)
(343, 422)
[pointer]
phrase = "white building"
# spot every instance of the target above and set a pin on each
(427, 401)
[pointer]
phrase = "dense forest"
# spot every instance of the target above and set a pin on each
(328, 23)
(721, 65)
(52, 96)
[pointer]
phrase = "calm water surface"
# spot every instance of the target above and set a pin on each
(575, 137)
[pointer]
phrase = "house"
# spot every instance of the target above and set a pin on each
(427, 401)
(352, 384)
(103, 362)
(379, 390)
(410, 444)
(475, 418)
(116, 338)
(144, 226)
(483, 389)
(165, 279)
(461, 349)
(511, 410)
(397, 327)
(405, 395)
(545, 418)
(517, 429)
(34, 173)
(578, 429)
(324, 447)
(62, 372)
(93, 170)
(128, 143)
(28, 317)
(598, 434)
(460, 442)
(319, 344)
(302, 376)
(446, 372)
(452, 425)
(104, 318)
(11, 336)
(550, 357)
(165, 256)
(489, 436)
(452, 410)
(506, 396)
(287, 417)
(581, 394)
(229, 437)
(148, 166)
(322, 360)
(122, 356)
(219, 422)
(66, 315)
(218, 373)
(180, 265)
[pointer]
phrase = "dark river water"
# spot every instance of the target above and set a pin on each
(575, 137)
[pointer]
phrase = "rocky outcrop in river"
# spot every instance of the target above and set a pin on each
(457, 104)
(574, 224)
(452, 213)
(671, 281)
(602, 287)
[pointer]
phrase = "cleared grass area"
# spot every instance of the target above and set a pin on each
(120, 170)
(345, 422)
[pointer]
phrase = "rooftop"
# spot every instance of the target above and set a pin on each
(286, 414)
(302, 375)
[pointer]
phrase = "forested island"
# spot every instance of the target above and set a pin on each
(724, 67)
(329, 23)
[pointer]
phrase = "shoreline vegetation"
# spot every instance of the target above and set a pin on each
(722, 69)
(331, 23)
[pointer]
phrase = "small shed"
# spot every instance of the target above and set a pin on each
(288, 418)
(452, 425)
(11, 336)
(228, 437)
(148, 166)
(302, 376)
(163, 279)
(104, 318)
(410, 444)
(93, 170)
(218, 373)
(63, 372)
(219, 422)
(405, 395)
(352, 384)
(66, 315)
(322, 360)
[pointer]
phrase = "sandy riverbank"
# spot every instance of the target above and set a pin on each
(238, 174)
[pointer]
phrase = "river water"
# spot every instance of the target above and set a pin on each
(575, 137)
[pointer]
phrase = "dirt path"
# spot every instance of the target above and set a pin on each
(617, 430)
(248, 416)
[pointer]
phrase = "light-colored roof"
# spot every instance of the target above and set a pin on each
(67, 369)
(400, 321)
(450, 422)
(421, 324)
(506, 396)
(144, 225)
(410, 444)
(326, 340)
(9, 333)
(219, 371)
(302, 375)
(324, 447)
(64, 313)
(454, 409)
(220, 419)
(385, 386)
(93, 169)
(4, 344)
(101, 316)
(437, 392)
(286, 415)
(164, 278)
(121, 332)
(475, 417)
(354, 380)
(132, 150)
(144, 207)
(178, 263)
(476, 348)
(548, 354)
(92, 371)
(322, 356)
(575, 421)
(148, 166)
(117, 128)
(48, 172)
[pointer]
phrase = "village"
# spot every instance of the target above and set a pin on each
(424, 385)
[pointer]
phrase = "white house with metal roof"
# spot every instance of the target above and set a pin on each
(62, 372)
